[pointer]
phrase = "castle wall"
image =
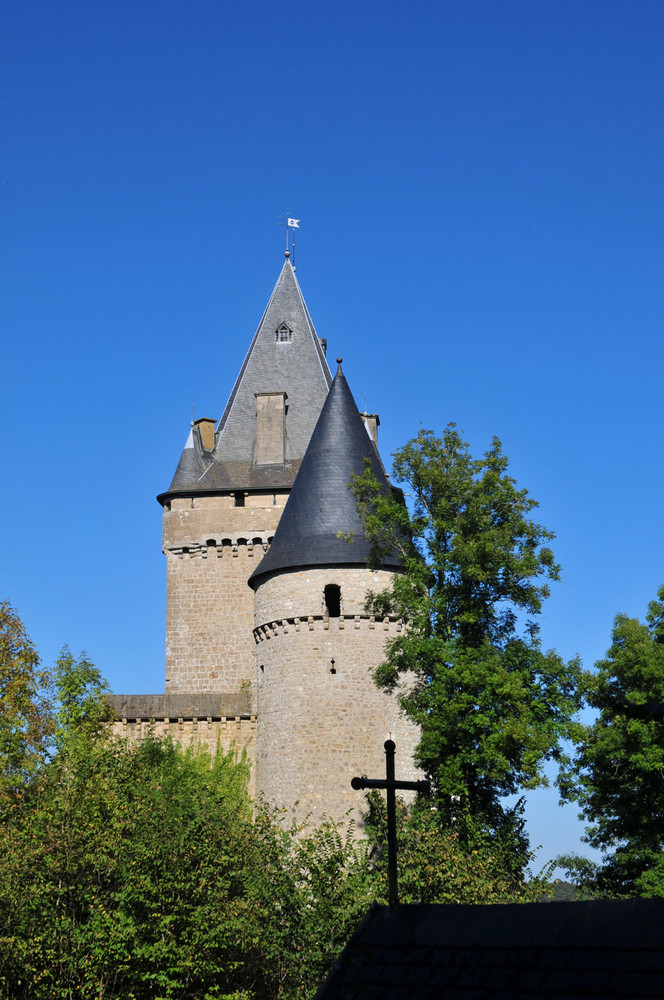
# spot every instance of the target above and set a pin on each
(322, 719)
(215, 721)
(211, 548)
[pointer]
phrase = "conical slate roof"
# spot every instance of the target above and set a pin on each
(285, 356)
(321, 507)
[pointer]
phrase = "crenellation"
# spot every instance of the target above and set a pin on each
(263, 632)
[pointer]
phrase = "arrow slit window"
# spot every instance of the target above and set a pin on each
(332, 599)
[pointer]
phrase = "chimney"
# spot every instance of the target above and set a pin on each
(371, 422)
(206, 430)
(270, 427)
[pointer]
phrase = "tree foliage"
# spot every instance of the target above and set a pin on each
(617, 773)
(436, 865)
(81, 707)
(143, 870)
(140, 871)
(491, 705)
(25, 707)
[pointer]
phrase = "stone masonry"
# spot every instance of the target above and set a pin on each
(224, 721)
(211, 548)
(322, 718)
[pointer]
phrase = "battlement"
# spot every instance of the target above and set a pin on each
(138, 707)
(220, 546)
(325, 623)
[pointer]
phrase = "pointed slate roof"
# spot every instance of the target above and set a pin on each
(321, 507)
(286, 356)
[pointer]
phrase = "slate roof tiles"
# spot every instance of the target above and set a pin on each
(294, 365)
(321, 514)
(604, 948)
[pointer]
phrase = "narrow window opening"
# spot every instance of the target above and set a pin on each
(333, 669)
(239, 499)
(332, 597)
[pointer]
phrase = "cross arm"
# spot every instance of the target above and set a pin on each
(407, 786)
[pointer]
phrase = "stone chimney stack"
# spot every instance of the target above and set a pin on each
(371, 422)
(206, 427)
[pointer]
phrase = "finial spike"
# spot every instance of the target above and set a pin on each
(289, 224)
(339, 360)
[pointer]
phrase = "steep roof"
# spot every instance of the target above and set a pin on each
(605, 948)
(321, 507)
(285, 356)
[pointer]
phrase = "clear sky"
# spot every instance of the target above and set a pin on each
(480, 188)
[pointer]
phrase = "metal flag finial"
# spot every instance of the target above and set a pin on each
(290, 224)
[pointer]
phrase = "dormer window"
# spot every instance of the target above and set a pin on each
(284, 334)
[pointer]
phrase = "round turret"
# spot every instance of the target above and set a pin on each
(322, 719)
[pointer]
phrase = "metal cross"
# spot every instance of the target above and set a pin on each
(390, 784)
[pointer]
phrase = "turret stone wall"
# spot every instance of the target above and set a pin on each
(212, 546)
(322, 718)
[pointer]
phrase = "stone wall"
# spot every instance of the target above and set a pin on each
(212, 546)
(322, 719)
(225, 721)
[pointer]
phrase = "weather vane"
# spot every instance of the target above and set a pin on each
(290, 224)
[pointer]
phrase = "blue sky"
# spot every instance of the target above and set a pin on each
(481, 194)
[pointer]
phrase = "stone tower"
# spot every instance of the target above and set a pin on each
(268, 646)
(321, 718)
(229, 491)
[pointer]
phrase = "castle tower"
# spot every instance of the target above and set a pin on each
(321, 717)
(228, 493)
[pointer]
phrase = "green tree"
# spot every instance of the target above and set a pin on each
(437, 866)
(314, 886)
(491, 705)
(130, 875)
(617, 775)
(144, 871)
(81, 705)
(140, 871)
(26, 721)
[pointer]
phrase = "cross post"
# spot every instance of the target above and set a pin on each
(390, 784)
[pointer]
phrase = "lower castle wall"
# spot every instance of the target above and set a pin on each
(229, 724)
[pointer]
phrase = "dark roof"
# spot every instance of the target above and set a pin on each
(544, 950)
(295, 365)
(321, 507)
(200, 705)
